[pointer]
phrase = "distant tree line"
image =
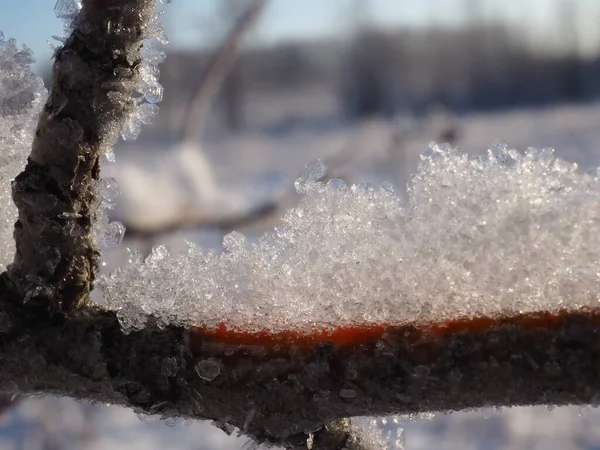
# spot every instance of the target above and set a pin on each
(480, 66)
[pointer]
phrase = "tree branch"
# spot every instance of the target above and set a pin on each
(278, 392)
(215, 73)
(57, 258)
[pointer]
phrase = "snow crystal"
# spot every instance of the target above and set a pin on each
(208, 369)
(113, 234)
(110, 156)
(312, 172)
(375, 433)
(109, 189)
(107, 234)
(67, 9)
(150, 91)
(171, 421)
(21, 97)
(510, 232)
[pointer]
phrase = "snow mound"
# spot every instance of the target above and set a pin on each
(507, 233)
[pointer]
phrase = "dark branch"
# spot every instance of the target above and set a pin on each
(57, 258)
(280, 393)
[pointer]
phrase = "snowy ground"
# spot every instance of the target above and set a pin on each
(238, 171)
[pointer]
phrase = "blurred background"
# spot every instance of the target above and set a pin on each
(256, 89)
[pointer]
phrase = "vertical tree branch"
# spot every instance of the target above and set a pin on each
(95, 75)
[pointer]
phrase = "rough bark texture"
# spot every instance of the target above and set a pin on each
(281, 394)
(56, 256)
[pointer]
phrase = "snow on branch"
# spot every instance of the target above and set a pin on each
(282, 393)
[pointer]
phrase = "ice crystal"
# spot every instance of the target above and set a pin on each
(150, 55)
(109, 189)
(110, 234)
(208, 369)
(313, 172)
(510, 232)
(67, 9)
(21, 97)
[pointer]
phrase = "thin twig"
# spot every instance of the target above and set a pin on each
(216, 72)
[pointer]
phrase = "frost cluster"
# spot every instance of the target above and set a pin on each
(384, 433)
(21, 97)
(148, 92)
(510, 232)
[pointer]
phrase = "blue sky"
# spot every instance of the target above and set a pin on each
(33, 21)
(188, 21)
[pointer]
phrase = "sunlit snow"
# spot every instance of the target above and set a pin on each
(510, 232)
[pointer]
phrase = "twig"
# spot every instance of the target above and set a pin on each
(57, 258)
(195, 220)
(262, 216)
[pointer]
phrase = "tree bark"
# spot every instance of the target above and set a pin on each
(57, 258)
(283, 392)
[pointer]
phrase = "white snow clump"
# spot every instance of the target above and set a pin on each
(507, 233)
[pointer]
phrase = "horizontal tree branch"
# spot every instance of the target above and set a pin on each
(280, 393)
(263, 212)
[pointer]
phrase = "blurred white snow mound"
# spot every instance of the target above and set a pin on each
(510, 232)
(180, 187)
(22, 94)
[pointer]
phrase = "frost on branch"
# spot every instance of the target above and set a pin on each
(21, 98)
(506, 234)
